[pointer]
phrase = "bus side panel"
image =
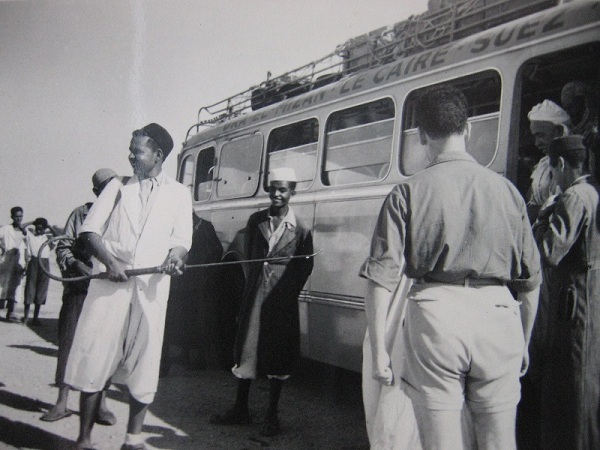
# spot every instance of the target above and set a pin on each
(343, 229)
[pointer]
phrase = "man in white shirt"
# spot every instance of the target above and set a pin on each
(142, 221)
(12, 260)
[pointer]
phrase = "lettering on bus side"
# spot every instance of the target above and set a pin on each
(235, 124)
(516, 34)
(459, 51)
(304, 102)
(502, 38)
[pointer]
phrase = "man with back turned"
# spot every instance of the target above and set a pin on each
(464, 234)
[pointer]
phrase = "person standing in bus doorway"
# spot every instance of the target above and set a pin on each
(547, 121)
(37, 282)
(577, 99)
(465, 334)
(268, 337)
(12, 263)
(75, 261)
(568, 236)
(137, 222)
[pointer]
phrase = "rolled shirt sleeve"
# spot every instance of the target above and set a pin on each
(386, 257)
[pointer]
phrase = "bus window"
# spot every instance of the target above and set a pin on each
(204, 174)
(483, 95)
(358, 143)
(239, 167)
(186, 171)
(294, 146)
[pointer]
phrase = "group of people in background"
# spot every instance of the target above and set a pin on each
(20, 258)
(111, 329)
(490, 290)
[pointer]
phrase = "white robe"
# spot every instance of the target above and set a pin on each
(122, 324)
(12, 262)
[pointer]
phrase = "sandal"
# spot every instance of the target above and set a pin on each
(51, 416)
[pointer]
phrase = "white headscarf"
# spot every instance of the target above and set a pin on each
(548, 111)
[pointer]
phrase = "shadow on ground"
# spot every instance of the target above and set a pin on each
(44, 351)
(320, 407)
(48, 330)
(22, 435)
(21, 402)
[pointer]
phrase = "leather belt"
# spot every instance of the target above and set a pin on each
(466, 282)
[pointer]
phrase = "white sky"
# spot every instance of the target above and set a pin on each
(77, 76)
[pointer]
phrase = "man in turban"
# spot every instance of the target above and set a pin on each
(547, 121)
(139, 221)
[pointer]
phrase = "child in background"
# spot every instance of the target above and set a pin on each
(36, 286)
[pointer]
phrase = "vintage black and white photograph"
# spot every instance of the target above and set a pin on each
(300, 224)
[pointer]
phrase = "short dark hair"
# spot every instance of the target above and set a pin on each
(442, 111)
(40, 221)
(15, 209)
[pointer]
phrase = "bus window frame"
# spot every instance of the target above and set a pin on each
(200, 149)
(452, 81)
(190, 154)
(218, 178)
(323, 158)
(267, 154)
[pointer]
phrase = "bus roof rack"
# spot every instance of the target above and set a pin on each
(455, 20)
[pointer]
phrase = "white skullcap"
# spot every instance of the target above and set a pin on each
(283, 174)
(548, 111)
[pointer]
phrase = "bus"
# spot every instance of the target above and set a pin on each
(345, 123)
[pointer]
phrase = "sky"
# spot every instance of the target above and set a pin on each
(78, 76)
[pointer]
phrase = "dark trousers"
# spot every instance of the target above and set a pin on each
(70, 311)
(36, 286)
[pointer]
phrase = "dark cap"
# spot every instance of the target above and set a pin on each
(562, 145)
(159, 135)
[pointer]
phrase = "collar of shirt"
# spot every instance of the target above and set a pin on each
(158, 179)
(452, 156)
(581, 179)
(288, 221)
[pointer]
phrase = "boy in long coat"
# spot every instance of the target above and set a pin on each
(268, 337)
(568, 236)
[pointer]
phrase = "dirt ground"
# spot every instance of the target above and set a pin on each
(320, 408)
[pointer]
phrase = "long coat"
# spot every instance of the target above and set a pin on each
(570, 241)
(280, 283)
(191, 311)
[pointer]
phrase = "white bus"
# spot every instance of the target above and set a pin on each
(348, 131)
